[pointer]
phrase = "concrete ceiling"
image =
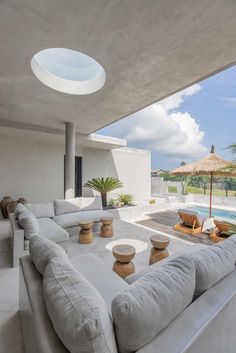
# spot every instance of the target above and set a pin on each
(149, 49)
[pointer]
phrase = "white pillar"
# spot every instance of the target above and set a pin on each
(69, 160)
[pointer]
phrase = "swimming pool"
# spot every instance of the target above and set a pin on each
(216, 212)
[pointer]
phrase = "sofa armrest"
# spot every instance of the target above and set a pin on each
(17, 240)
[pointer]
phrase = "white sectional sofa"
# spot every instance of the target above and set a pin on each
(184, 305)
(56, 220)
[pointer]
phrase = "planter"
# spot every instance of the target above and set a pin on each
(4, 203)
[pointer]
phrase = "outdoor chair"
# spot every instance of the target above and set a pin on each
(189, 222)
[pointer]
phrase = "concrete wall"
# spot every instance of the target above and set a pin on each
(160, 187)
(34, 168)
(131, 166)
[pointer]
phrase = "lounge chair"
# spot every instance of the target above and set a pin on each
(189, 222)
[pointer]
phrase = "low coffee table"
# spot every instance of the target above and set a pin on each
(86, 232)
(123, 254)
(106, 228)
(159, 251)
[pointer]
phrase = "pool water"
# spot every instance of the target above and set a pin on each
(216, 212)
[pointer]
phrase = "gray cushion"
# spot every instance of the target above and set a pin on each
(213, 263)
(191, 249)
(78, 313)
(19, 208)
(73, 219)
(51, 230)
(91, 203)
(152, 302)
(67, 206)
(43, 250)
(41, 210)
(29, 223)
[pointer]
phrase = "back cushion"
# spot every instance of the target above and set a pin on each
(42, 250)
(212, 264)
(41, 210)
(19, 207)
(152, 302)
(78, 313)
(91, 203)
(29, 223)
(67, 206)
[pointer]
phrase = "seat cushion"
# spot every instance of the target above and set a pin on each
(41, 210)
(29, 223)
(73, 219)
(213, 263)
(51, 230)
(78, 313)
(152, 302)
(42, 250)
(67, 206)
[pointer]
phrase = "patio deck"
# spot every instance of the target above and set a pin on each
(10, 335)
(164, 222)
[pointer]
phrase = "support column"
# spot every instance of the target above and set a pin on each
(69, 160)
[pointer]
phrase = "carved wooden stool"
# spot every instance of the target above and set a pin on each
(123, 254)
(86, 232)
(106, 228)
(159, 251)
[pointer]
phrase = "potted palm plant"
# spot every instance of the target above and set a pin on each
(104, 185)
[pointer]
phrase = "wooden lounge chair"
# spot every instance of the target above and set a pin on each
(189, 222)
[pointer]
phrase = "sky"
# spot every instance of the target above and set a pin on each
(182, 128)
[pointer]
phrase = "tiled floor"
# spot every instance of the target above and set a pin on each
(10, 337)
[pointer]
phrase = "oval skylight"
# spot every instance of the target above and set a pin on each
(68, 71)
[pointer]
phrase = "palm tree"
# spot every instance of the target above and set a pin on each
(103, 185)
(232, 147)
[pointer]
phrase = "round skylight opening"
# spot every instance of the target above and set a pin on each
(68, 71)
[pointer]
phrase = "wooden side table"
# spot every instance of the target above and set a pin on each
(158, 251)
(106, 230)
(86, 232)
(123, 254)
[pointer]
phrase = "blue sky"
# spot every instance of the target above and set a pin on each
(184, 126)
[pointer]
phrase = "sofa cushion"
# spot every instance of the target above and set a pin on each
(213, 263)
(78, 313)
(43, 250)
(51, 230)
(152, 302)
(29, 223)
(191, 249)
(41, 210)
(19, 208)
(73, 219)
(91, 203)
(67, 206)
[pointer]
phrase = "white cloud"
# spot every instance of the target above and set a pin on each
(230, 100)
(160, 127)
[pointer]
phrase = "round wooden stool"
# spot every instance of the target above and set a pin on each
(159, 251)
(106, 230)
(86, 232)
(123, 254)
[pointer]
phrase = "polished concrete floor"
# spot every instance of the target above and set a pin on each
(124, 232)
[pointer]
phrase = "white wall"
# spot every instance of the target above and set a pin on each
(34, 168)
(131, 166)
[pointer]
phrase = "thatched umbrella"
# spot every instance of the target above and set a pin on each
(211, 165)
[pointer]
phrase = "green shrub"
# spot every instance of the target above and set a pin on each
(125, 200)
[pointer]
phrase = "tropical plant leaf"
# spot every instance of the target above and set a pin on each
(104, 185)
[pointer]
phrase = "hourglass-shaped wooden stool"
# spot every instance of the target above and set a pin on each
(86, 232)
(106, 228)
(123, 254)
(159, 251)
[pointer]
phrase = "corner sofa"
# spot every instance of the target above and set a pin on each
(185, 304)
(56, 220)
